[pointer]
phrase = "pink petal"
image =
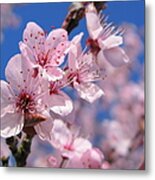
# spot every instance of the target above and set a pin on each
(116, 56)
(11, 124)
(55, 37)
(92, 158)
(53, 73)
(34, 37)
(110, 42)
(93, 25)
(44, 129)
(102, 63)
(7, 99)
(14, 72)
(61, 135)
(60, 103)
(56, 57)
(56, 46)
(88, 91)
(27, 52)
(81, 145)
(74, 52)
(72, 56)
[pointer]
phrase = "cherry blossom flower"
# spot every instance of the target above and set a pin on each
(58, 101)
(104, 39)
(47, 53)
(21, 98)
(68, 143)
(83, 72)
(92, 158)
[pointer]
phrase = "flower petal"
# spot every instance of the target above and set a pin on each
(34, 37)
(116, 56)
(44, 128)
(7, 98)
(55, 37)
(81, 145)
(60, 103)
(61, 135)
(110, 42)
(93, 25)
(56, 46)
(14, 71)
(11, 124)
(88, 91)
(27, 52)
(53, 73)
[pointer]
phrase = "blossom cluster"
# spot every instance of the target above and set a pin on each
(35, 94)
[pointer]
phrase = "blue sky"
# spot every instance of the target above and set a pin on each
(52, 14)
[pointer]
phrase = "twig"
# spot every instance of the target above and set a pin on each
(77, 12)
(20, 154)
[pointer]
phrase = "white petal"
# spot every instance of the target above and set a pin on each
(11, 124)
(13, 72)
(53, 73)
(81, 145)
(44, 129)
(7, 98)
(110, 42)
(61, 135)
(93, 25)
(34, 37)
(55, 37)
(60, 103)
(116, 56)
(89, 91)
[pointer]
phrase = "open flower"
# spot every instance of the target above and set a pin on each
(21, 98)
(105, 39)
(58, 101)
(83, 72)
(47, 53)
(92, 158)
(68, 143)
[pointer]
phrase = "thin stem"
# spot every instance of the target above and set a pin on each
(64, 159)
(20, 153)
(5, 161)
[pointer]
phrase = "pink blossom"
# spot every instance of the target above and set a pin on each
(58, 101)
(82, 71)
(104, 39)
(117, 137)
(68, 143)
(92, 158)
(47, 53)
(21, 96)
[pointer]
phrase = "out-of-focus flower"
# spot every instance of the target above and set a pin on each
(92, 159)
(67, 142)
(8, 18)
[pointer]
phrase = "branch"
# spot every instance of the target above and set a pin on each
(20, 154)
(77, 12)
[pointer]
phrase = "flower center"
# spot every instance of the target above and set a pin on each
(25, 102)
(94, 46)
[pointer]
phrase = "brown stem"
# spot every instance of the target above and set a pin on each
(64, 159)
(77, 12)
